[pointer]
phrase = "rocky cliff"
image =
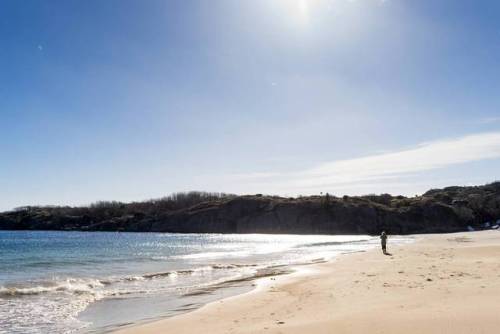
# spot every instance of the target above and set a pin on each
(439, 210)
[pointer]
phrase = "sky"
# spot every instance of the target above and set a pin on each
(131, 100)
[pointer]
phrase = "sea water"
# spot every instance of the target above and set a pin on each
(91, 282)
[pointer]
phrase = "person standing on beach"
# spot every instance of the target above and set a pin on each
(383, 240)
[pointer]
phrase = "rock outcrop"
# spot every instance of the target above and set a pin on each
(439, 210)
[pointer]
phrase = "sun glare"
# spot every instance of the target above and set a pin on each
(303, 6)
(297, 10)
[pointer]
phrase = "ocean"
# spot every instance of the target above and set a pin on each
(95, 282)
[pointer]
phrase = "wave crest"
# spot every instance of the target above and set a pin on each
(70, 285)
(79, 286)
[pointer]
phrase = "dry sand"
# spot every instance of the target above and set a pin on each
(446, 283)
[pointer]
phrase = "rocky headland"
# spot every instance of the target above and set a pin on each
(450, 209)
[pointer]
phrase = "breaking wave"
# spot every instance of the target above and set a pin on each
(96, 287)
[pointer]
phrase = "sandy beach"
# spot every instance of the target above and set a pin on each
(447, 283)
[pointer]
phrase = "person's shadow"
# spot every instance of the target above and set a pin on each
(387, 253)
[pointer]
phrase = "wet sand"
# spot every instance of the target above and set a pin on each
(448, 283)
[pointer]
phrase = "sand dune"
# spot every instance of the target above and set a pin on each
(446, 283)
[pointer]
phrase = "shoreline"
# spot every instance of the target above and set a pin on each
(232, 289)
(420, 287)
(229, 288)
(256, 284)
(253, 285)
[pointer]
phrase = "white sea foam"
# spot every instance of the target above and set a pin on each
(70, 285)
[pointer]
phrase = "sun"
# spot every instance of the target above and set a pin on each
(302, 10)
(303, 6)
(297, 10)
(299, 14)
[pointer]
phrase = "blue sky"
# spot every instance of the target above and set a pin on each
(130, 100)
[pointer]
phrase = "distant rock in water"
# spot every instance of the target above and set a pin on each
(438, 210)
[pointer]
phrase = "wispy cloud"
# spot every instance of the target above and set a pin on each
(386, 166)
(488, 120)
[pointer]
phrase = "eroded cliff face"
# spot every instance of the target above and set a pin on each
(439, 210)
